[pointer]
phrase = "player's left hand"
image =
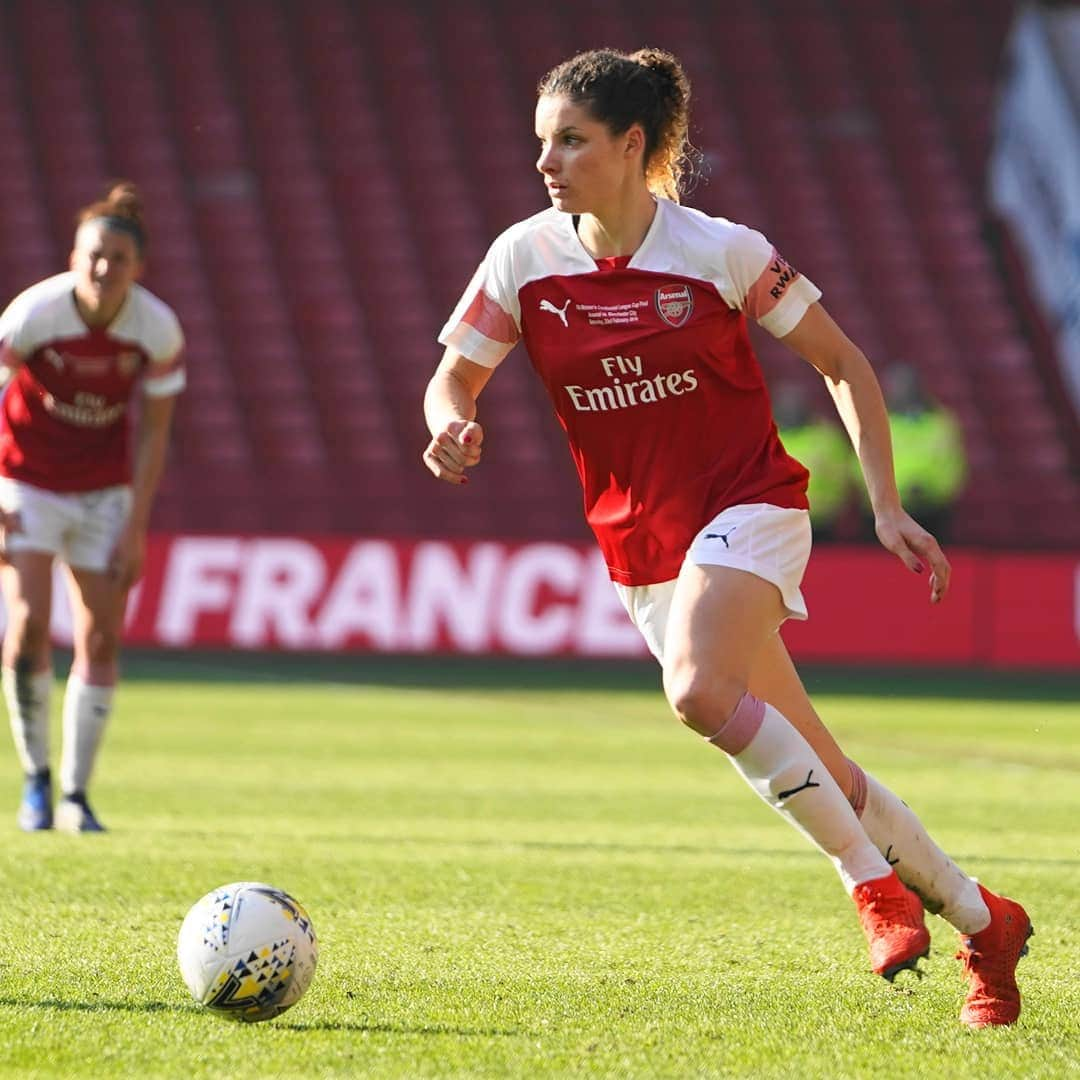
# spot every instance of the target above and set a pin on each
(915, 548)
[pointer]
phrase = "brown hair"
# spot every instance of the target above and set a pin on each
(120, 208)
(648, 87)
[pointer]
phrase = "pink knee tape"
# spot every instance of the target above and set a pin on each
(738, 733)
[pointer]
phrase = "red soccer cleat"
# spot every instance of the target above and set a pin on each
(892, 919)
(990, 958)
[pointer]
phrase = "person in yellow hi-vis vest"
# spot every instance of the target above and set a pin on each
(928, 450)
(821, 445)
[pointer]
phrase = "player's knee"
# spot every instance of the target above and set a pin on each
(102, 646)
(703, 701)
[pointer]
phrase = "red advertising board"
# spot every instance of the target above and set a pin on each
(1032, 612)
(867, 606)
(554, 599)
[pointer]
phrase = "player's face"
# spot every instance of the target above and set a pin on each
(106, 263)
(585, 167)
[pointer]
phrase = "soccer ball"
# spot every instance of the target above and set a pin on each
(247, 951)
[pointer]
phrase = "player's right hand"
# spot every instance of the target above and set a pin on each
(453, 450)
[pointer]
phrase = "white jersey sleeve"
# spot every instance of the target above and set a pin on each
(163, 341)
(12, 350)
(11, 322)
(19, 332)
(486, 324)
(764, 285)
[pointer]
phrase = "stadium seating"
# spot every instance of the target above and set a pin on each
(323, 176)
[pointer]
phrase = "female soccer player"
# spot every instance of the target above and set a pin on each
(633, 309)
(76, 349)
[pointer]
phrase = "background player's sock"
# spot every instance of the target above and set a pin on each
(921, 865)
(86, 712)
(781, 766)
(27, 696)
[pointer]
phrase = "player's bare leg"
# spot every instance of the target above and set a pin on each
(774, 679)
(97, 613)
(27, 677)
(719, 621)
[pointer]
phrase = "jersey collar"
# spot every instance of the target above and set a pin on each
(643, 248)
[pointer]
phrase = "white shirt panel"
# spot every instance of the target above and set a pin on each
(47, 312)
(739, 262)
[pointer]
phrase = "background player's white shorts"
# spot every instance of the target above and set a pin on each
(80, 527)
(772, 542)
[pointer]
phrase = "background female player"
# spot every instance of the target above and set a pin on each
(76, 348)
(633, 312)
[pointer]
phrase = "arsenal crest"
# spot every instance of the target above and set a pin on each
(675, 303)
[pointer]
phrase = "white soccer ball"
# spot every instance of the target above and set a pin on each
(247, 951)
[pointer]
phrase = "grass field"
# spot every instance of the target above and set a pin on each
(528, 871)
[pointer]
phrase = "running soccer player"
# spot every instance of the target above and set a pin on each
(76, 350)
(633, 309)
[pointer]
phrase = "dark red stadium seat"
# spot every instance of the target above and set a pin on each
(322, 177)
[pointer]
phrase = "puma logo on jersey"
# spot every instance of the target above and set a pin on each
(55, 359)
(722, 536)
(547, 305)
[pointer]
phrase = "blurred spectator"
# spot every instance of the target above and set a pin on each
(928, 445)
(821, 445)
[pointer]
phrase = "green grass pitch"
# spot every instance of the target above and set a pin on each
(528, 871)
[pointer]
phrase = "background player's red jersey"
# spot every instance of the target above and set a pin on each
(63, 418)
(650, 368)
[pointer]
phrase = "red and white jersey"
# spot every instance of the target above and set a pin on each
(649, 365)
(63, 417)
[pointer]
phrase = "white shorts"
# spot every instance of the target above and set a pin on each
(769, 541)
(79, 527)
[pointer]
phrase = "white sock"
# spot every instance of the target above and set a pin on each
(86, 712)
(781, 766)
(923, 867)
(27, 695)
